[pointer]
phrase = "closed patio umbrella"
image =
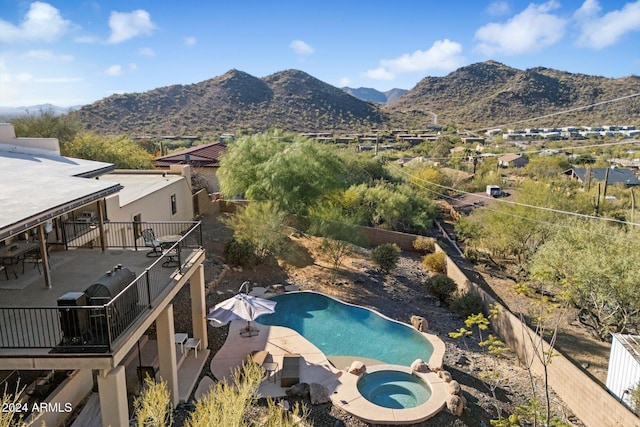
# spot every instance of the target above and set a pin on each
(240, 307)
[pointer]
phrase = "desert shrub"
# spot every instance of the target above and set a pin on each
(441, 286)
(435, 262)
(466, 304)
(424, 245)
(240, 252)
(635, 398)
(153, 407)
(386, 256)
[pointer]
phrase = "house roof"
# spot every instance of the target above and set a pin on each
(509, 157)
(616, 175)
(206, 155)
(631, 343)
(39, 185)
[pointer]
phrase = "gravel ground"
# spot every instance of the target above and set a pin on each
(399, 296)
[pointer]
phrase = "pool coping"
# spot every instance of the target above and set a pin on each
(437, 356)
(348, 398)
(316, 368)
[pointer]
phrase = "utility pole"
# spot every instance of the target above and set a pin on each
(633, 204)
(606, 182)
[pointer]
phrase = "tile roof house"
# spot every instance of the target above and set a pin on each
(615, 175)
(203, 159)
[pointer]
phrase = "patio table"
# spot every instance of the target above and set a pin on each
(10, 254)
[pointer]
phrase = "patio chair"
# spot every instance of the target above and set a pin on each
(260, 357)
(290, 374)
(150, 241)
(32, 257)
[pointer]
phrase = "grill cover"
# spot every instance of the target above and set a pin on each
(111, 284)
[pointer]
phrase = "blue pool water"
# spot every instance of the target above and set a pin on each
(340, 329)
(394, 389)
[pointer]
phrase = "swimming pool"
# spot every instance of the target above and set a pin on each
(340, 329)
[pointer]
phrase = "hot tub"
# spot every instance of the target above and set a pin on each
(394, 389)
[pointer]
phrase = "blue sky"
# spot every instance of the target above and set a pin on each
(77, 52)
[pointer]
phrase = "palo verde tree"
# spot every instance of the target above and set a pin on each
(595, 266)
(286, 169)
(121, 151)
(47, 125)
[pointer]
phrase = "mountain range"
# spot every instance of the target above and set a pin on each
(373, 95)
(13, 112)
(482, 95)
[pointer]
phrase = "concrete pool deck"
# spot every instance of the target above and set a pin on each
(316, 368)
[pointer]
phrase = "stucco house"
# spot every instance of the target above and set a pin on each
(512, 160)
(203, 159)
(612, 175)
(75, 323)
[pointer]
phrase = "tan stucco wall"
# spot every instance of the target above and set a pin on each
(156, 206)
(71, 392)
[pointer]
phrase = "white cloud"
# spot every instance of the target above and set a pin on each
(498, 8)
(190, 41)
(42, 23)
(47, 55)
(114, 70)
(301, 48)
(379, 73)
(146, 51)
(443, 55)
(125, 26)
(133, 67)
(344, 81)
(598, 31)
(531, 30)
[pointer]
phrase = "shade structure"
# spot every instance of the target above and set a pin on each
(240, 307)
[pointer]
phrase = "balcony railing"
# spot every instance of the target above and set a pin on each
(95, 328)
(119, 234)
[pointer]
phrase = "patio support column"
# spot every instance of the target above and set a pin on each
(199, 306)
(112, 389)
(45, 256)
(167, 352)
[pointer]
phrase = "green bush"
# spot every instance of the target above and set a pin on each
(386, 256)
(466, 304)
(441, 286)
(240, 252)
(435, 262)
(424, 245)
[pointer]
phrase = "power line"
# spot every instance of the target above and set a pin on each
(557, 113)
(511, 202)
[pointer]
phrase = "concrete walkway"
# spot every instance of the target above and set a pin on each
(316, 368)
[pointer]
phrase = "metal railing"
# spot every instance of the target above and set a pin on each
(119, 234)
(95, 328)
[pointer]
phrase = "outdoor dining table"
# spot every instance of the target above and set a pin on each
(11, 254)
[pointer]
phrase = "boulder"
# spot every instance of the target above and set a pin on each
(420, 323)
(357, 368)
(276, 289)
(446, 376)
(318, 394)
(454, 387)
(298, 390)
(455, 405)
(419, 365)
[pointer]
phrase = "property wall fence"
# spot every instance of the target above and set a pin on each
(587, 398)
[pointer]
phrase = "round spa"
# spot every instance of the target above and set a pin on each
(394, 389)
